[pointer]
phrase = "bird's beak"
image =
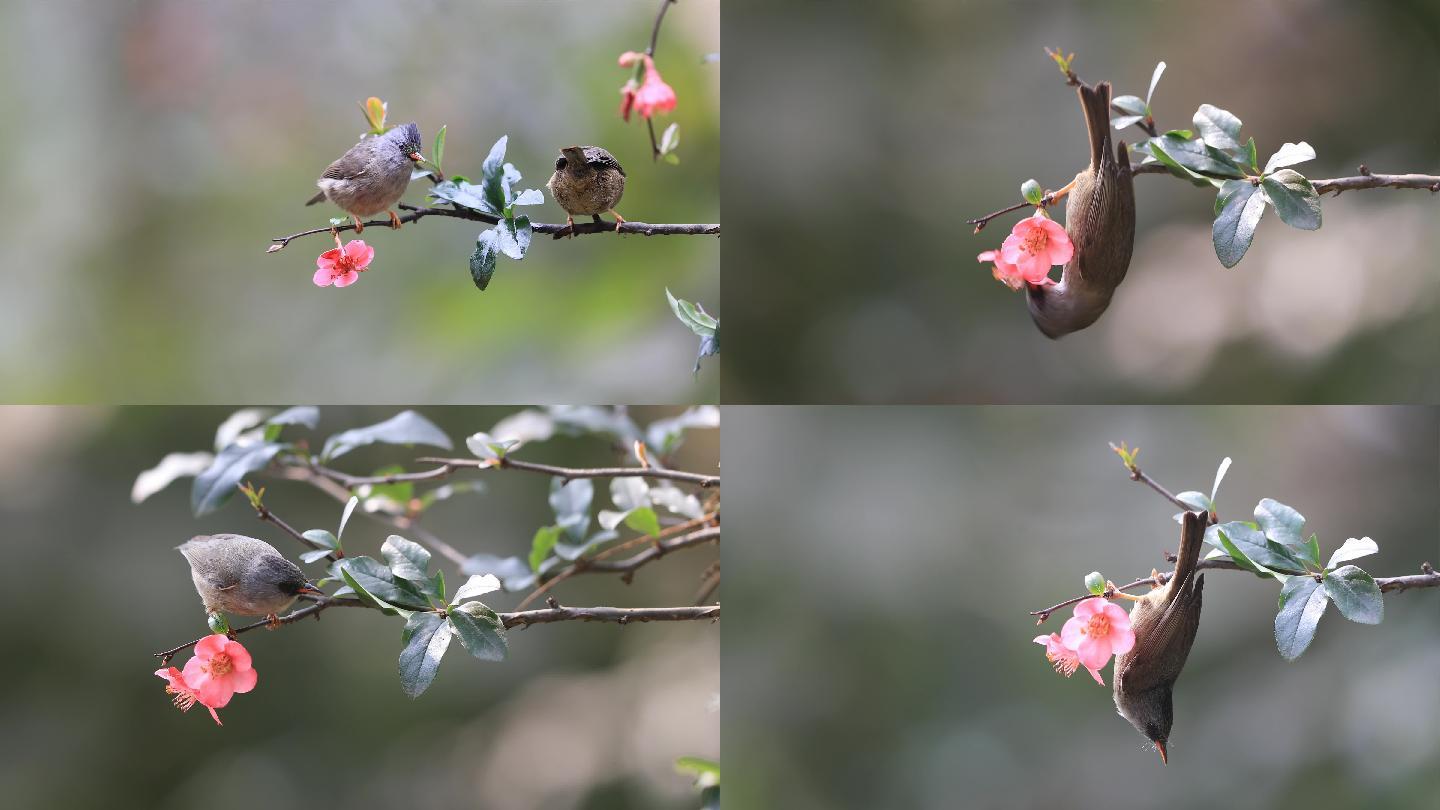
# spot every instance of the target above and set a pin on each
(310, 589)
(416, 156)
(1160, 746)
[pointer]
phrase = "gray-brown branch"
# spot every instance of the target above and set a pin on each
(558, 229)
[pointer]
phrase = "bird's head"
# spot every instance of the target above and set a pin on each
(572, 157)
(407, 139)
(1059, 309)
(1151, 713)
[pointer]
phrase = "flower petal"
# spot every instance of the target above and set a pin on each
(323, 277)
(328, 258)
(1073, 633)
(1122, 640)
(243, 680)
(1089, 607)
(215, 692)
(1093, 654)
(239, 656)
(210, 646)
(346, 278)
(1095, 673)
(359, 253)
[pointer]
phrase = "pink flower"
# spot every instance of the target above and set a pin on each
(185, 697)
(648, 97)
(220, 668)
(1096, 631)
(1005, 272)
(1034, 245)
(342, 267)
(1063, 658)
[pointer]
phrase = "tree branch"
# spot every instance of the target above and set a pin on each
(416, 214)
(650, 51)
(1427, 579)
(571, 473)
(554, 613)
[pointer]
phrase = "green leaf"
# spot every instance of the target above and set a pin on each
(408, 559)
(1280, 523)
(1288, 155)
(695, 318)
(170, 468)
(439, 151)
(307, 415)
(493, 172)
(312, 556)
(1032, 192)
(1177, 154)
(1302, 603)
(375, 114)
(458, 192)
(1352, 550)
(345, 518)
(1240, 210)
(1122, 121)
(1257, 549)
(670, 140)
(1219, 474)
(1217, 127)
(1355, 593)
(1197, 501)
(540, 546)
(322, 537)
(426, 638)
(1312, 549)
(400, 492)
(406, 427)
(1095, 582)
(1154, 80)
(368, 597)
(476, 585)
(376, 580)
(482, 261)
(1251, 161)
(699, 767)
(664, 436)
(1131, 105)
(480, 630)
(483, 445)
(530, 196)
(513, 236)
(1234, 551)
(1181, 133)
(1295, 200)
(216, 484)
(643, 520)
(571, 502)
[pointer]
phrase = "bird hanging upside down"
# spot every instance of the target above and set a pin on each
(372, 176)
(1100, 220)
(587, 180)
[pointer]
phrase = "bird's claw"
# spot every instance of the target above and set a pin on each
(394, 220)
(272, 622)
(359, 226)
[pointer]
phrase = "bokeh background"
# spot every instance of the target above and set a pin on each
(879, 651)
(579, 716)
(870, 132)
(160, 144)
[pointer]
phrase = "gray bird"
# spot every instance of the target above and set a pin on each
(587, 180)
(243, 576)
(372, 176)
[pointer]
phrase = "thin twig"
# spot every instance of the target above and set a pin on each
(516, 619)
(580, 565)
(650, 51)
(557, 229)
(572, 473)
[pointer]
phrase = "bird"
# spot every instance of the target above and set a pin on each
(243, 576)
(372, 176)
(1100, 221)
(587, 180)
(1164, 622)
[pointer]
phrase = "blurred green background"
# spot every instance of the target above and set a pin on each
(579, 716)
(874, 130)
(160, 144)
(879, 653)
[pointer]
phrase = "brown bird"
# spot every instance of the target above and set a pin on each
(1100, 219)
(372, 176)
(1164, 622)
(587, 180)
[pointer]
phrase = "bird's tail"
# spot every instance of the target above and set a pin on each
(1192, 539)
(1095, 101)
(319, 196)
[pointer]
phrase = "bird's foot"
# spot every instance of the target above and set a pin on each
(272, 621)
(570, 226)
(619, 220)
(1155, 580)
(359, 226)
(394, 220)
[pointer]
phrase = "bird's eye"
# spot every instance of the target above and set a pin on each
(559, 163)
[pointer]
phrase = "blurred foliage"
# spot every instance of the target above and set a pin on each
(922, 537)
(854, 255)
(188, 134)
(579, 715)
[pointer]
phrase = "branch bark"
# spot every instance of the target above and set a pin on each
(416, 214)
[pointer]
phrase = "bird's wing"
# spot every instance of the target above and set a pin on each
(350, 166)
(1174, 631)
(595, 156)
